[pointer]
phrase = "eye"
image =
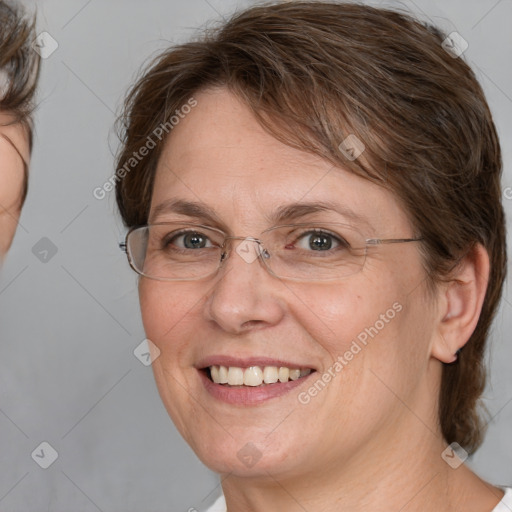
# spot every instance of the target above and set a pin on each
(320, 240)
(186, 240)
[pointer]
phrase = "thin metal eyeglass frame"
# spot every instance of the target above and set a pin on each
(368, 242)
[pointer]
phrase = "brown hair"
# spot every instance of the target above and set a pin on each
(316, 72)
(19, 70)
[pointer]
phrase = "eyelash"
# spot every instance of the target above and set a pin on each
(168, 239)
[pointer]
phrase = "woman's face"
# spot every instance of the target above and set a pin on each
(13, 145)
(377, 324)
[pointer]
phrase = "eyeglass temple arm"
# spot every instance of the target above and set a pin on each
(377, 241)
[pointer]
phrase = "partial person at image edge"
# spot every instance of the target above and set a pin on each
(19, 74)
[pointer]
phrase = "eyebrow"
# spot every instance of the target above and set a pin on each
(282, 214)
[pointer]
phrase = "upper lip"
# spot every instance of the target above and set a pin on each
(220, 360)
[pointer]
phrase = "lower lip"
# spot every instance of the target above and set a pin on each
(247, 395)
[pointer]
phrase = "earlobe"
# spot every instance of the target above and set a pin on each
(460, 303)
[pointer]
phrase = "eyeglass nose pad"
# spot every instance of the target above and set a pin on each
(246, 249)
(249, 249)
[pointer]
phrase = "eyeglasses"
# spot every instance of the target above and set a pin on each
(9, 140)
(175, 251)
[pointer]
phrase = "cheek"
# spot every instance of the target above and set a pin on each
(166, 308)
(381, 323)
(171, 314)
(167, 315)
(336, 314)
(12, 175)
(11, 186)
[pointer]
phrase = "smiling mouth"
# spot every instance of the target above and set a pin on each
(254, 376)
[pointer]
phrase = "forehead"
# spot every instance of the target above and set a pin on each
(219, 155)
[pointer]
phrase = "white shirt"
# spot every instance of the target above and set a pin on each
(505, 505)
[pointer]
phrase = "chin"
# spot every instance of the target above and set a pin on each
(248, 461)
(249, 454)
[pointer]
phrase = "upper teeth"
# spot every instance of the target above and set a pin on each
(254, 375)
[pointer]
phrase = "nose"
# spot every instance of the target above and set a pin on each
(246, 294)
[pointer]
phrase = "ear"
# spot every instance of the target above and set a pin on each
(460, 303)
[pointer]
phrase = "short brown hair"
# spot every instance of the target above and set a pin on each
(19, 70)
(314, 73)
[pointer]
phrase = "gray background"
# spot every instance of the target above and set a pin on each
(69, 325)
